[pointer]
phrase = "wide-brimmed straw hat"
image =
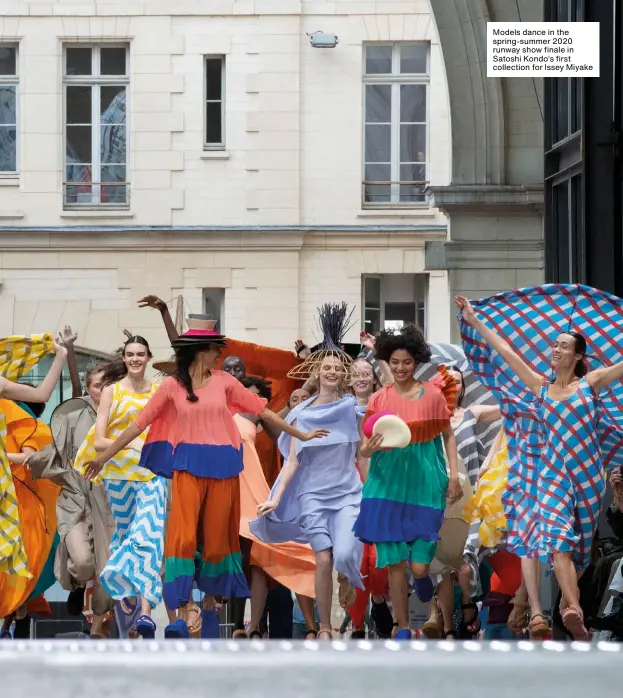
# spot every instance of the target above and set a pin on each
(168, 367)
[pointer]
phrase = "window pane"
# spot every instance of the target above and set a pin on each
(378, 143)
(82, 191)
(78, 104)
(214, 78)
(115, 193)
(561, 94)
(378, 60)
(412, 193)
(377, 193)
(372, 321)
(112, 102)
(372, 292)
(576, 104)
(7, 105)
(400, 312)
(214, 128)
(8, 149)
(379, 103)
(79, 144)
(112, 61)
(410, 172)
(113, 144)
(413, 58)
(78, 61)
(413, 143)
(561, 226)
(8, 60)
(413, 103)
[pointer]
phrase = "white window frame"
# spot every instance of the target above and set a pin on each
(13, 81)
(395, 79)
(380, 277)
(206, 101)
(95, 80)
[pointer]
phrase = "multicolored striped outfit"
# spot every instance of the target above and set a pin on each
(137, 502)
(558, 449)
(404, 496)
(198, 445)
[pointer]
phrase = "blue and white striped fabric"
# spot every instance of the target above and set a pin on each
(137, 546)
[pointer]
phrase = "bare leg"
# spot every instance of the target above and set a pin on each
(531, 571)
(567, 579)
(306, 604)
(145, 607)
(445, 598)
(259, 592)
(398, 591)
(97, 626)
(324, 587)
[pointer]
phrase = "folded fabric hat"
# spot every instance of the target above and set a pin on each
(395, 432)
(200, 331)
(368, 425)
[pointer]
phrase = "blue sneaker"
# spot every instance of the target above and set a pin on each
(177, 631)
(424, 589)
(404, 634)
(146, 628)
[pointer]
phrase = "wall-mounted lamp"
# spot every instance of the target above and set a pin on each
(321, 39)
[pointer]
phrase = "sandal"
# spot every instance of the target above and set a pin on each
(191, 614)
(146, 627)
(311, 634)
(538, 627)
(255, 635)
(358, 635)
(404, 634)
(573, 620)
(240, 634)
(449, 633)
(325, 631)
(519, 617)
(347, 593)
(469, 628)
(433, 628)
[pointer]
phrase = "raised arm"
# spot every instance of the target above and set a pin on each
(68, 337)
(486, 413)
(43, 392)
(161, 307)
(602, 377)
(531, 379)
(285, 478)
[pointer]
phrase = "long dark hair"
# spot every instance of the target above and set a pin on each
(184, 357)
(581, 367)
(115, 370)
(461, 394)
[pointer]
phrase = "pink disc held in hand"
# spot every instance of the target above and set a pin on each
(368, 425)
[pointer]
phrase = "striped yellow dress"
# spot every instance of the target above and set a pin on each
(18, 355)
(126, 406)
(486, 504)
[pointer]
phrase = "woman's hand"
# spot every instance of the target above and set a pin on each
(455, 491)
(59, 347)
(67, 336)
(302, 350)
(367, 340)
(93, 468)
(314, 434)
(466, 308)
(268, 507)
(616, 482)
(152, 302)
(371, 446)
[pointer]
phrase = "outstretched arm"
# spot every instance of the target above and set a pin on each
(161, 307)
(526, 375)
(43, 392)
(94, 467)
(486, 413)
(68, 337)
(602, 377)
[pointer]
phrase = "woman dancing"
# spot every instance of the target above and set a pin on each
(556, 478)
(405, 493)
(136, 496)
(316, 497)
(193, 439)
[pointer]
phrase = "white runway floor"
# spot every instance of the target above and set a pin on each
(280, 669)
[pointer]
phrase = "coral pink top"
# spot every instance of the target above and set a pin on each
(199, 437)
(426, 417)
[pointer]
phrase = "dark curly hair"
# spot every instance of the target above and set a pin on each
(409, 339)
(263, 386)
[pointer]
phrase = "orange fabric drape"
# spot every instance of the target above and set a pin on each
(37, 506)
(272, 365)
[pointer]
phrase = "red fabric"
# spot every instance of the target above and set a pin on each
(376, 582)
(506, 577)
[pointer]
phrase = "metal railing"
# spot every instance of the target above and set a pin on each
(393, 193)
(78, 195)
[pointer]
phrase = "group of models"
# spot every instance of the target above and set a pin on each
(158, 490)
